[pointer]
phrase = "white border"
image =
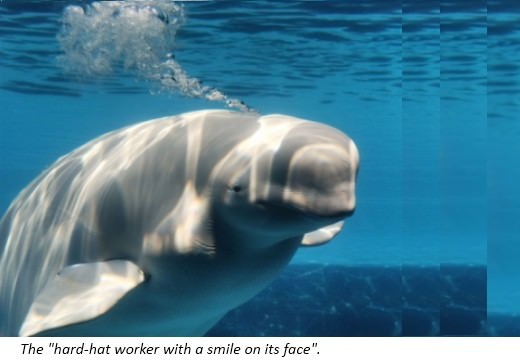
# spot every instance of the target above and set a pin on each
(399, 348)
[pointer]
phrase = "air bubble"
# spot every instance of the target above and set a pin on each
(136, 36)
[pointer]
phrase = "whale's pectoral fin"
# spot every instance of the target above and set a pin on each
(80, 293)
(322, 235)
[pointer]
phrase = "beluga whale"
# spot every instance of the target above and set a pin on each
(162, 227)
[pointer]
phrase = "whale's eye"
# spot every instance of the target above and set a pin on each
(236, 188)
(238, 185)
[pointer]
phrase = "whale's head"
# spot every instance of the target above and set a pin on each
(289, 178)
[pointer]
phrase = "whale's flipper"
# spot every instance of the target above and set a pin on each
(79, 293)
(323, 235)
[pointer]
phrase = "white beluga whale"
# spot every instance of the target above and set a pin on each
(162, 227)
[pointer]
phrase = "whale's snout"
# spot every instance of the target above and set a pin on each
(321, 180)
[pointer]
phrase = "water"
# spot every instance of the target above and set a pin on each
(429, 91)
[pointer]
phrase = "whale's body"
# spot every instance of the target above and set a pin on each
(162, 227)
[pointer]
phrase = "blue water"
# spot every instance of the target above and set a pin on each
(429, 90)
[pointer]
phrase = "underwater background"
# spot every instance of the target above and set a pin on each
(428, 90)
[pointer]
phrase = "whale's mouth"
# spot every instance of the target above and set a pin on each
(328, 215)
